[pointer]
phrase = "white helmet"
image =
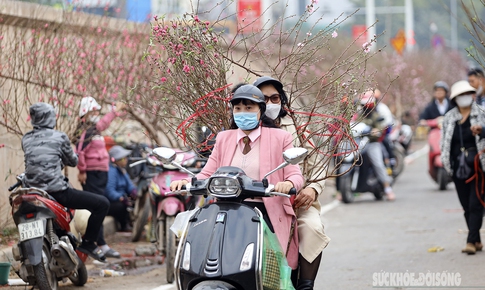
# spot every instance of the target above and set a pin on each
(88, 104)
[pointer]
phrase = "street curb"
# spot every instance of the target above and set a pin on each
(109, 226)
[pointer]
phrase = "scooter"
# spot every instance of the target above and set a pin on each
(164, 207)
(435, 166)
(46, 248)
(222, 246)
(355, 173)
(141, 172)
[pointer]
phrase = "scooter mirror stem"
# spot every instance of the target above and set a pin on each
(183, 169)
(282, 165)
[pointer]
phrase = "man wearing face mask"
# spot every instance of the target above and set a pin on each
(438, 106)
(476, 79)
(93, 162)
(312, 238)
(463, 136)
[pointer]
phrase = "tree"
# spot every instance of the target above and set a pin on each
(196, 64)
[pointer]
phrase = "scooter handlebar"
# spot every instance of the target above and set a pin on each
(185, 190)
(138, 162)
(15, 186)
(270, 192)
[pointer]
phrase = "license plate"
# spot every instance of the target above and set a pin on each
(31, 230)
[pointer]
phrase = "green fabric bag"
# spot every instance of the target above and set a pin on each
(276, 272)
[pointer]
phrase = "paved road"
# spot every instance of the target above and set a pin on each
(370, 237)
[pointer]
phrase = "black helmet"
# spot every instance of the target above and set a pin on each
(248, 92)
(441, 84)
(277, 84)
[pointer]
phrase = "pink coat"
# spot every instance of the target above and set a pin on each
(95, 156)
(272, 144)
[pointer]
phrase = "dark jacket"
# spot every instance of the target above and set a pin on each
(46, 151)
(375, 121)
(119, 183)
(431, 111)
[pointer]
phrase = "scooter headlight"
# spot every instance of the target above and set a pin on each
(186, 257)
(224, 187)
(247, 259)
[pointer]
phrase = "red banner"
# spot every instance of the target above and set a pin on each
(249, 16)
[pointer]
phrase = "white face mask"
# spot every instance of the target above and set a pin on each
(94, 119)
(464, 101)
(272, 111)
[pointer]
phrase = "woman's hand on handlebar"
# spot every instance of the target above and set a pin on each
(177, 184)
(283, 187)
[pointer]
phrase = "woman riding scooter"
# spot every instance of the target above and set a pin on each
(255, 147)
(311, 234)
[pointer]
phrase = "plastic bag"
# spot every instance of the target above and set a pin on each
(276, 272)
(181, 221)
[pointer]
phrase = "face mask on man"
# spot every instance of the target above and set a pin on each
(464, 101)
(272, 111)
(246, 120)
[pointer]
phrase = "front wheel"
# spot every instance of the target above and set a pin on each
(44, 277)
(442, 178)
(345, 188)
(170, 248)
(142, 211)
(80, 277)
(399, 165)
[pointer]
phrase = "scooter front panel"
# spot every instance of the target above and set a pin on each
(218, 237)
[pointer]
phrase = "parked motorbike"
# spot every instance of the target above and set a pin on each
(355, 172)
(222, 245)
(435, 166)
(141, 172)
(46, 248)
(164, 207)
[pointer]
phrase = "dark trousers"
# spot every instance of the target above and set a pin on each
(387, 142)
(96, 183)
(117, 209)
(472, 207)
(96, 204)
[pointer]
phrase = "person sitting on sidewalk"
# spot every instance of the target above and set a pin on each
(119, 187)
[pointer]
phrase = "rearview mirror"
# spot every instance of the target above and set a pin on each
(295, 155)
(167, 156)
(164, 154)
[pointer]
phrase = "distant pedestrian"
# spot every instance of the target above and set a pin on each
(477, 80)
